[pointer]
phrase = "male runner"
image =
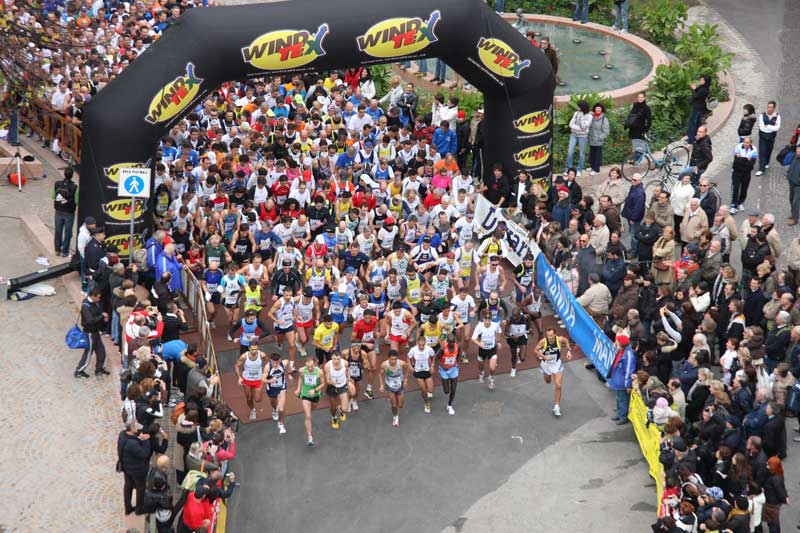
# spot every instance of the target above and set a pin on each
(395, 377)
(486, 337)
(421, 358)
(276, 388)
(549, 350)
(249, 369)
(311, 382)
(364, 335)
(339, 381)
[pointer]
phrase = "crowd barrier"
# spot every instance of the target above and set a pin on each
(649, 438)
(50, 125)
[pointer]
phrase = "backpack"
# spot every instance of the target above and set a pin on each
(140, 259)
(64, 195)
(177, 411)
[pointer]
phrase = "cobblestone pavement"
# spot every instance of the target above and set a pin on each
(58, 469)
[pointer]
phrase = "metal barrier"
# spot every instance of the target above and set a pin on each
(50, 125)
(193, 293)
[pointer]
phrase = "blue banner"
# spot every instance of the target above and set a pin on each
(595, 345)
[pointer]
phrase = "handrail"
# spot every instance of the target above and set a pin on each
(50, 125)
(193, 293)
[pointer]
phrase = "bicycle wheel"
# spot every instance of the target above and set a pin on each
(631, 166)
(676, 159)
(649, 188)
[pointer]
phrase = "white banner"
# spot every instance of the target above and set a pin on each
(519, 243)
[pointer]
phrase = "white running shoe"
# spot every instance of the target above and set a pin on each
(614, 28)
(395, 421)
(734, 210)
(310, 443)
(427, 408)
(556, 410)
(450, 410)
(354, 406)
(291, 367)
(281, 428)
(480, 377)
(513, 372)
(491, 382)
(759, 173)
(766, 166)
(275, 415)
(430, 395)
(252, 414)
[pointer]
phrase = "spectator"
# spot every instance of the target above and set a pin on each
(701, 157)
(599, 131)
(638, 124)
(65, 204)
(579, 126)
(698, 105)
(793, 177)
(633, 209)
(769, 123)
(620, 376)
(745, 156)
(133, 449)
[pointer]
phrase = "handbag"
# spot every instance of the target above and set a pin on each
(712, 103)
(786, 155)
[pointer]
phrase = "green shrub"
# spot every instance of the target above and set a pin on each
(381, 76)
(660, 22)
(698, 45)
(564, 115)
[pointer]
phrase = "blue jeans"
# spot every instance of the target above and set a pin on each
(115, 332)
(634, 227)
(581, 142)
(695, 120)
(440, 72)
(581, 11)
(64, 222)
(500, 6)
(622, 15)
(423, 65)
(623, 401)
(405, 64)
(690, 171)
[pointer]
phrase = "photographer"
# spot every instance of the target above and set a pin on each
(133, 452)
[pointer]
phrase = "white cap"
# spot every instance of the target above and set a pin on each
(342, 288)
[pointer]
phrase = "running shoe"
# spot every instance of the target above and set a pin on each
(430, 395)
(369, 393)
(427, 408)
(480, 377)
(292, 369)
(513, 372)
(450, 410)
(342, 416)
(230, 339)
(281, 429)
(274, 414)
(252, 414)
(355, 406)
(556, 410)
(395, 421)
(334, 423)
(464, 360)
(310, 443)
(491, 382)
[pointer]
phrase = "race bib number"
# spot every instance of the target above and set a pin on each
(394, 382)
(450, 360)
(368, 336)
(355, 370)
(327, 339)
(248, 336)
(336, 308)
(517, 330)
(413, 294)
(310, 380)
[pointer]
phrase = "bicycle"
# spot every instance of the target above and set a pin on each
(675, 158)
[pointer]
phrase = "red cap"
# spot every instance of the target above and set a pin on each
(462, 114)
(389, 220)
(623, 339)
(563, 188)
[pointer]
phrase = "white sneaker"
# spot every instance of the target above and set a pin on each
(395, 421)
(480, 377)
(759, 173)
(430, 395)
(491, 382)
(734, 210)
(513, 372)
(740, 207)
(623, 31)
(450, 410)
(427, 408)
(556, 410)
(593, 173)
(275, 415)
(310, 441)
(281, 428)
(766, 166)
(354, 406)
(578, 174)
(252, 414)
(614, 28)
(291, 367)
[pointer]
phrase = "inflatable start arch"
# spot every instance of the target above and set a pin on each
(207, 47)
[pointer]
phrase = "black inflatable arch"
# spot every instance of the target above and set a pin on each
(207, 47)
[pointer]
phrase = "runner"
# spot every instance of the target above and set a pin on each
(340, 304)
(276, 389)
(364, 335)
(523, 279)
(447, 362)
(209, 282)
(339, 384)
(355, 367)
(249, 369)
(496, 307)
(432, 332)
(311, 382)
(532, 309)
(399, 323)
(486, 338)
(378, 301)
(466, 257)
(464, 306)
(549, 350)
(493, 278)
(252, 297)
(306, 313)
(282, 314)
(250, 329)
(326, 337)
(318, 279)
(231, 286)
(421, 359)
(516, 331)
(395, 377)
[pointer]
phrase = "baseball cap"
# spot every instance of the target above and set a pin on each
(426, 238)
(349, 270)
(389, 221)
(89, 221)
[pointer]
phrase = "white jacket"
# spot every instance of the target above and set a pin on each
(580, 123)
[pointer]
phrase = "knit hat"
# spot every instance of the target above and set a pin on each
(623, 339)
(461, 114)
(563, 188)
(662, 402)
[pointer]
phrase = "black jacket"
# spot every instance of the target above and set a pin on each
(92, 319)
(698, 99)
(647, 236)
(773, 436)
(93, 253)
(497, 189)
(753, 307)
(777, 342)
(64, 196)
(642, 122)
(754, 254)
(462, 136)
(513, 198)
(701, 153)
(134, 454)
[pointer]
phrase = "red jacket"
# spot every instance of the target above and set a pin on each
(195, 511)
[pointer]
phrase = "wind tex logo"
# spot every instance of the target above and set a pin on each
(535, 122)
(399, 36)
(112, 172)
(174, 96)
(285, 49)
(500, 58)
(533, 156)
(122, 242)
(121, 210)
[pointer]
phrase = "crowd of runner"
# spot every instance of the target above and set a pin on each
(332, 220)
